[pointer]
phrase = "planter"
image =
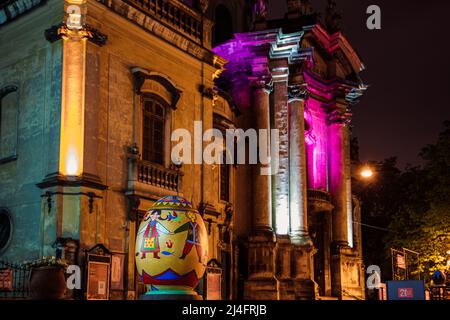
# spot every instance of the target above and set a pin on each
(47, 283)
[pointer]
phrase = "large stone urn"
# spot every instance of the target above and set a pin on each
(171, 250)
(47, 283)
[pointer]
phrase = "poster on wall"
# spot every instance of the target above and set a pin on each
(213, 289)
(98, 281)
(117, 265)
(6, 280)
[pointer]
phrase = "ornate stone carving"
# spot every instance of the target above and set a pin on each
(96, 36)
(53, 33)
(56, 32)
(141, 75)
(206, 92)
(202, 5)
(339, 117)
(260, 8)
(11, 10)
(297, 92)
(155, 24)
(265, 83)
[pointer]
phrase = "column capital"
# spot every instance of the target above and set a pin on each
(279, 69)
(56, 32)
(297, 92)
(339, 117)
(264, 82)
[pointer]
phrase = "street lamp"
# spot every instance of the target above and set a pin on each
(367, 173)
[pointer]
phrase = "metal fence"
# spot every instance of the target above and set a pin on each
(14, 281)
(440, 293)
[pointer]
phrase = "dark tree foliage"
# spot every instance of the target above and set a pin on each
(411, 209)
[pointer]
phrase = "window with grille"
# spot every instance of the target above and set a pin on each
(153, 126)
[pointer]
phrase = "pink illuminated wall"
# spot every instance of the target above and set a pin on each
(316, 145)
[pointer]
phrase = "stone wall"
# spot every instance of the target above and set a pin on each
(34, 65)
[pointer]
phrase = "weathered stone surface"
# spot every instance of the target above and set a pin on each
(35, 66)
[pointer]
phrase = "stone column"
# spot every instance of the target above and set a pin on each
(280, 180)
(262, 199)
(261, 283)
(339, 175)
(297, 166)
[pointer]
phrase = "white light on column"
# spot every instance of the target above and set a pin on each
(282, 218)
(72, 163)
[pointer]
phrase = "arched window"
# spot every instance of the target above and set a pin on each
(9, 102)
(5, 229)
(223, 29)
(153, 129)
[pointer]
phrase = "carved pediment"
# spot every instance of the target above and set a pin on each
(154, 82)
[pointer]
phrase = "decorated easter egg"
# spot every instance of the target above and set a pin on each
(171, 247)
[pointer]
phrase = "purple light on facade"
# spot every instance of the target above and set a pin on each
(317, 149)
(310, 138)
(240, 60)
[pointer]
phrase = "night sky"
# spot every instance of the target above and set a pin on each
(408, 70)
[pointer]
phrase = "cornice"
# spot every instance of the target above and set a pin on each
(254, 54)
(166, 32)
(334, 88)
(11, 10)
(337, 41)
(86, 180)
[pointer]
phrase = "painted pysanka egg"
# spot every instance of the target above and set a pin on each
(171, 247)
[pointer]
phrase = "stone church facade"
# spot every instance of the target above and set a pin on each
(91, 95)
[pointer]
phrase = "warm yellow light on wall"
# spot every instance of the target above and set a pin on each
(72, 163)
(72, 109)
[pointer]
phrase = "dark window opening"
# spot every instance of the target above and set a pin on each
(5, 229)
(225, 166)
(223, 30)
(153, 127)
(8, 122)
(224, 179)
